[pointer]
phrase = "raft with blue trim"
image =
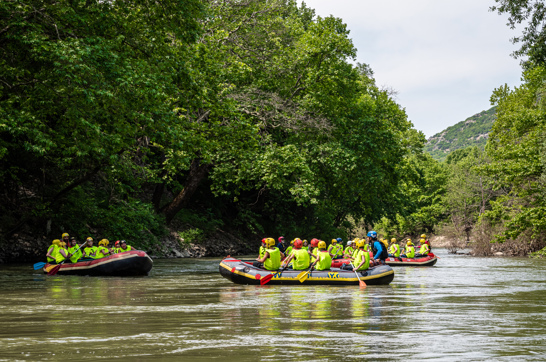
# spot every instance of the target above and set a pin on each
(243, 272)
(129, 263)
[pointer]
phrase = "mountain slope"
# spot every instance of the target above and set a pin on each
(473, 131)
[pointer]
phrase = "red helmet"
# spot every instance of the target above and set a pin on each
(281, 239)
(298, 244)
(263, 240)
(116, 244)
(314, 243)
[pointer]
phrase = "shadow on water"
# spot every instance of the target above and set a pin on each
(463, 308)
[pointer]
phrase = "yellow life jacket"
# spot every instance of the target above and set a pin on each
(58, 256)
(52, 250)
(90, 252)
(325, 261)
(76, 254)
(301, 259)
(424, 249)
(102, 252)
(129, 248)
(410, 252)
(274, 260)
(360, 256)
(395, 250)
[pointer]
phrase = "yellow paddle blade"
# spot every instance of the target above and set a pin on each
(302, 276)
(48, 269)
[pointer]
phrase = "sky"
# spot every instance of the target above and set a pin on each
(444, 58)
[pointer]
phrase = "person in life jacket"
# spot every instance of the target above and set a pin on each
(424, 250)
(362, 257)
(424, 236)
(123, 247)
(74, 252)
(379, 249)
(305, 245)
(336, 249)
(299, 257)
(115, 249)
(89, 251)
(102, 249)
(290, 248)
(410, 250)
(394, 249)
(323, 260)
(272, 257)
(52, 251)
(349, 250)
(62, 253)
(66, 238)
(280, 244)
(313, 247)
(262, 249)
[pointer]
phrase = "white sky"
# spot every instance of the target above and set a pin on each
(443, 57)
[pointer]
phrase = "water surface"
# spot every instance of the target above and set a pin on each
(464, 308)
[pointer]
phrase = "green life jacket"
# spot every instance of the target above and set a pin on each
(129, 248)
(395, 250)
(58, 256)
(262, 251)
(362, 255)
(349, 250)
(410, 252)
(274, 260)
(304, 248)
(288, 251)
(102, 252)
(325, 261)
(339, 251)
(424, 249)
(52, 252)
(77, 254)
(301, 259)
(90, 252)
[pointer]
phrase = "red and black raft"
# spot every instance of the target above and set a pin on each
(129, 263)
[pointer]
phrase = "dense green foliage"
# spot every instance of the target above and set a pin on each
(120, 118)
(473, 131)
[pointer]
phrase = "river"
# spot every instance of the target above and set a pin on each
(464, 308)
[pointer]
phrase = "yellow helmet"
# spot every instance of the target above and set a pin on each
(56, 242)
(423, 236)
(63, 244)
(322, 244)
(393, 240)
(360, 243)
(292, 242)
(269, 242)
(64, 234)
(409, 242)
(334, 241)
(89, 239)
(422, 241)
(356, 240)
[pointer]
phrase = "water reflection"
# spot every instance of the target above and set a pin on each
(186, 311)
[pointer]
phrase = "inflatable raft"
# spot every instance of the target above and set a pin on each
(428, 260)
(243, 272)
(129, 263)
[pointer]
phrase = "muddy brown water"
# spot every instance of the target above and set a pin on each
(464, 308)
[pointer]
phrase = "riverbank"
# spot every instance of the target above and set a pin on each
(26, 248)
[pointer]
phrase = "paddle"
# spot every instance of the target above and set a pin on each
(56, 268)
(268, 277)
(360, 282)
(302, 276)
(39, 265)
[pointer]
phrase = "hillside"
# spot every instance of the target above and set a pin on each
(473, 131)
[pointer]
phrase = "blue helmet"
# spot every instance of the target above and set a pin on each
(338, 240)
(373, 234)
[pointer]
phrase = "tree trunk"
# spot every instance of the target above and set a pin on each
(197, 173)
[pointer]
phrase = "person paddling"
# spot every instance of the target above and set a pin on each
(272, 257)
(349, 250)
(90, 251)
(362, 257)
(74, 252)
(123, 247)
(378, 248)
(102, 250)
(52, 251)
(299, 257)
(410, 250)
(323, 261)
(424, 250)
(394, 249)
